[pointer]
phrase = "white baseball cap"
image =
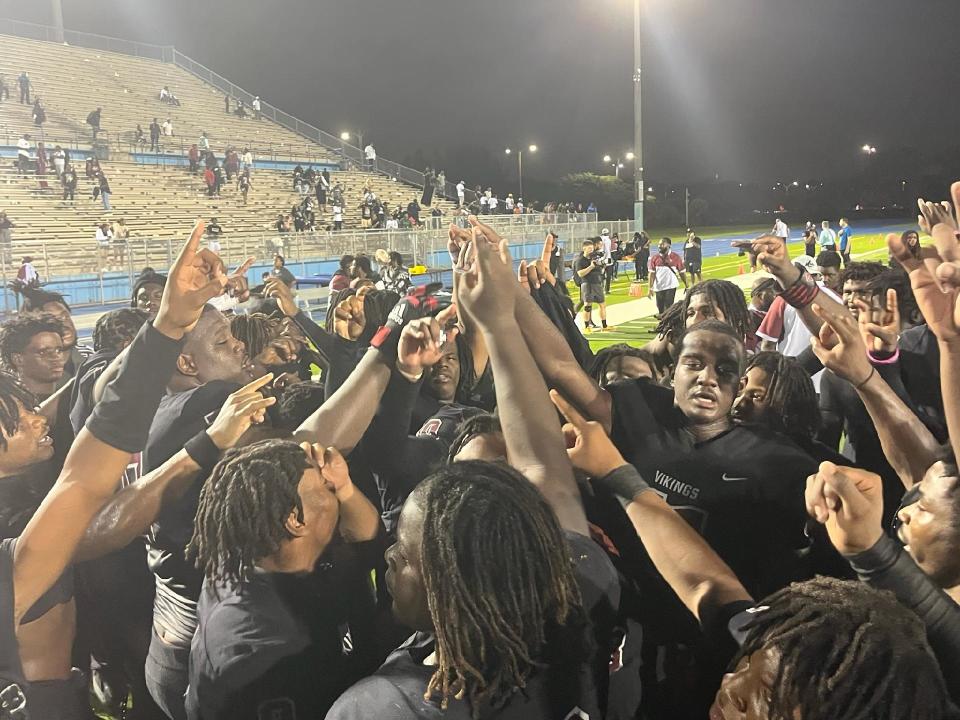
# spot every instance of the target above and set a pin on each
(605, 231)
(807, 263)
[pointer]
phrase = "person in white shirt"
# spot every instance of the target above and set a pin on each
(370, 153)
(828, 238)
(508, 203)
(23, 153)
(256, 106)
(493, 202)
(167, 128)
(461, 192)
(337, 217)
(204, 142)
(103, 236)
(520, 206)
(484, 205)
(781, 230)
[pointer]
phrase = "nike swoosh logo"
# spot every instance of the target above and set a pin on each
(727, 478)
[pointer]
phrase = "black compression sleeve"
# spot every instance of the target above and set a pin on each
(625, 482)
(122, 417)
(203, 451)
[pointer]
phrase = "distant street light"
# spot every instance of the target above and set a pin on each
(869, 150)
(508, 151)
(617, 164)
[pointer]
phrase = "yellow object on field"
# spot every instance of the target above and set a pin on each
(418, 270)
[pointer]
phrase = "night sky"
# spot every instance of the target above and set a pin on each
(749, 89)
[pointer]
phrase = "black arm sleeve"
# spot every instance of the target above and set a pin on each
(887, 566)
(122, 417)
(340, 355)
(831, 412)
(809, 361)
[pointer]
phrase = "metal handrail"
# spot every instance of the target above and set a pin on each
(47, 33)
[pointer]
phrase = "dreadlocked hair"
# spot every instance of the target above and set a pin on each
(861, 272)
(729, 300)
(612, 356)
(297, 403)
(12, 392)
(243, 508)
(117, 328)
(671, 322)
(792, 405)
(255, 331)
(482, 424)
(499, 582)
(34, 299)
(846, 651)
(16, 333)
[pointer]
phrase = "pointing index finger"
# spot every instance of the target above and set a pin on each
(256, 384)
(189, 250)
(572, 415)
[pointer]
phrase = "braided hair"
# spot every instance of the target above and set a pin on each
(297, 403)
(117, 329)
(243, 508)
(792, 405)
(612, 354)
(255, 331)
(846, 651)
(729, 300)
(482, 424)
(671, 322)
(16, 333)
(20, 496)
(12, 393)
(499, 582)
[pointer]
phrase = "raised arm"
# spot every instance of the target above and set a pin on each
(130, 512)
(698, 576)
(534, 443)
(117, 427)
(907, 444)
(554, 358)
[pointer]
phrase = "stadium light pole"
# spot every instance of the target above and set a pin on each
(618, 163)
(508, 151)
(638, 191)
(56, 11)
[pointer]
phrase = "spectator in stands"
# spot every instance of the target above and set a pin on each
(193, 156)
(27, 275)
(24, 82)
(139, 139)
(280, 271)
(32, 349)
(256, 107)
(92, 168)
(370, 155)
(322, 188)
(6, 237)
(226, 104)
(121, 237)
(413, 212)
(4, 88)
(461, 193)
(337, 216)
(246, 161)
(231, 163)
(168, 97)
(41, 169)
(241, 110)
(93, 120)
(103, 236)
(214, 232)
(436, 215)
(154, 136)
(341, 278)
(167, 128)
(210, 179)
(244, 184)
(105, 191)
(281, 224)
(39, 114)
(204, 142)
(69, 182)
(23, 153)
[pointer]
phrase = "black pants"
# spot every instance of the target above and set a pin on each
(810, 249)
(60, 699)
(68, 193)
(167, 678)
(96, 129)
(846, 258)
(24, 95)
(154, 143)
(665, 299)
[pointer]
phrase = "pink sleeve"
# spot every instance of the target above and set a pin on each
(772, 326)
(677, 261)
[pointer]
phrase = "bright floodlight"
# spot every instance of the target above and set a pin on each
(606, 158)
(619, 165)
(344, 136)
(533, 148)
(630, 156)
(507, 151)
(796, 183)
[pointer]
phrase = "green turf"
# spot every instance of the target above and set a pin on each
(638, 332)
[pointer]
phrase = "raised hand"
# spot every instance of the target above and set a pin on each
(935, 275)
(589, 447)
(349, 317)
(237, 285)
(277, 289)
(279, 351)
(486, 290)
(932, 214)
(335, 471)
(880, 325)
(195, 278)
(839, 345)
(771, 252)
(422, 341)
(849, 502)
(243, 408)
(534, 274)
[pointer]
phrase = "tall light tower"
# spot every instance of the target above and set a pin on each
(638, 191)
(56, 12)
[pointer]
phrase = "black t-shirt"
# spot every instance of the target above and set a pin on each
(81, 394)
(11, 670)
(741, 490)
(595, 276)
(692, 253)
(284, 645)
(395, 691)
(178, 419)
